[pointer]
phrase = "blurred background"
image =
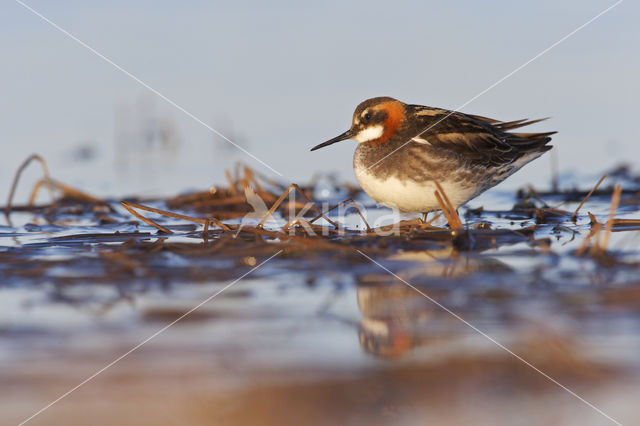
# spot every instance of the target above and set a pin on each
(317, 333)
(279, 77)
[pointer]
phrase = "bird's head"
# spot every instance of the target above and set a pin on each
(374, 121)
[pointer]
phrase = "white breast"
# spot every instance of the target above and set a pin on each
(411, 196)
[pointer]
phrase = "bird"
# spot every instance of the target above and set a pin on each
(403, 150)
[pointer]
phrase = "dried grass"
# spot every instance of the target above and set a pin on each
(230, 202)
(584, 200)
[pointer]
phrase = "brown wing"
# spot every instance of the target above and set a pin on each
(479, 139)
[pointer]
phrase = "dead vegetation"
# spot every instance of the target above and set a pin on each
(486, 265)
(220, 210)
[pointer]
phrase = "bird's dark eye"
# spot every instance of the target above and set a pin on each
(367, 116)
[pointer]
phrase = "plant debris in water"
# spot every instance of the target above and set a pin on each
(554, 278)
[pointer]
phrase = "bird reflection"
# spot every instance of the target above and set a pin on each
(391, 315)
(395, 317)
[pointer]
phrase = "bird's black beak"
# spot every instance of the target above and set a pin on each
(346, 135)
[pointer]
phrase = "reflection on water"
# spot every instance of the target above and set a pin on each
(391, 318)
(314, 334)
(396, 317)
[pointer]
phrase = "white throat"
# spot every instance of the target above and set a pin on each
(369, 134)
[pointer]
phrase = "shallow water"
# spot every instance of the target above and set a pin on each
(320, 334)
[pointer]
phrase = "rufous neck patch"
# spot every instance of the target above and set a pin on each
(395, 117)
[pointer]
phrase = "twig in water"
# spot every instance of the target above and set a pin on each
(279, 201)
(45, 170)
(348, 200)
(615, 201)
(575, 213)
(206, 221)
(144, 219)
(595, 228)
(67, 191)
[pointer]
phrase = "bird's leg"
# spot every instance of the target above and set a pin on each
(425, 215)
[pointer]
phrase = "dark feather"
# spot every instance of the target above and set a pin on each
(479, 139)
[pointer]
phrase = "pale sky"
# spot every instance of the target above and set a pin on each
(281, 77)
